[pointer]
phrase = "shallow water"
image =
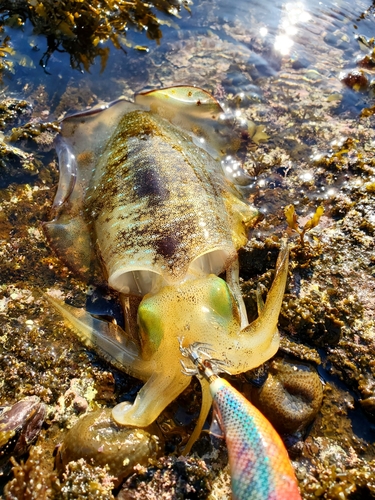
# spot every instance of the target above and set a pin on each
(281, 66)
(267, 35)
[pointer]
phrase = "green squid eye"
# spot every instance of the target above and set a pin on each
(221, 301)
(151, 329)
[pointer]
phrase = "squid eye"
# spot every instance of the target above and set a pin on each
(221, 299)
(150, 323)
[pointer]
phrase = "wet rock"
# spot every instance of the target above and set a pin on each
(83, 481)
(101, 442)
(301, 62)
(170, 478)
(290, 397)
(16, 164)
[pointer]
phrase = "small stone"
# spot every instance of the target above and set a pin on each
(80, 404)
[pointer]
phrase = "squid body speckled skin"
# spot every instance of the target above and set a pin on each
(145, 205)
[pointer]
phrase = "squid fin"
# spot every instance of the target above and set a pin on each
(198, 113)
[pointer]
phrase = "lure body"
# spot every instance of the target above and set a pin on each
(259, 463)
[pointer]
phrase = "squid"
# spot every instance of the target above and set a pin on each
(149, 203)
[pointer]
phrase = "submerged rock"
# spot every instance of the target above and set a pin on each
(101, 442)
(291, 396)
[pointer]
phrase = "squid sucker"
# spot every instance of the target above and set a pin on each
(147, 204)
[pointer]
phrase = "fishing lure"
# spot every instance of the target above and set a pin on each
(259, 464)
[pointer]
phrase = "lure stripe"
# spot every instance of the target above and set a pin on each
(259, 463)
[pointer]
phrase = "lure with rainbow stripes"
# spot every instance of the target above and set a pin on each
(259, 463)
